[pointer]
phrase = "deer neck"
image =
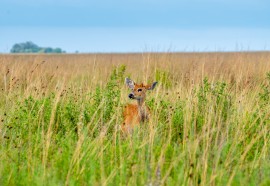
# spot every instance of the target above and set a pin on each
(142, 109)
(141, 102)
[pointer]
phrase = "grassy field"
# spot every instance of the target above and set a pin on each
(60, 117)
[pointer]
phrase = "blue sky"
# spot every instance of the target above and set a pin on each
(137, 25)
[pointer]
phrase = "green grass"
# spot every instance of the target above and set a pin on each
(209, 134)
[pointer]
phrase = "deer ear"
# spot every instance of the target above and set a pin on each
(151, 87)
(130, 83)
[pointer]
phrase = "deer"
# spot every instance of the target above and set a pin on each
(134, 114)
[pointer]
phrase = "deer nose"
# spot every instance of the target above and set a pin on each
(131, 96)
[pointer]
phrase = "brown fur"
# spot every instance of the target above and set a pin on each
(133, 118)
(136, 114)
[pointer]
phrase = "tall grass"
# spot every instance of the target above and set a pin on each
(209, 125)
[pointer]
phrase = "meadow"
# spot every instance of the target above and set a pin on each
(209, 125)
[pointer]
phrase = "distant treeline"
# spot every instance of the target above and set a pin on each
(30, 47)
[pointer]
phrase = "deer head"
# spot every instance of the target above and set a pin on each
(138, 91)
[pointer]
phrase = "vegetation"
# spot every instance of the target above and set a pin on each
(30, 47)
(60, 118)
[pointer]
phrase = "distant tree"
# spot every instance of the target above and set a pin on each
(30, 47)
(24, 48)
(48, 50)
(58, 50)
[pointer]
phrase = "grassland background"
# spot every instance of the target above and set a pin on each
(60, 117)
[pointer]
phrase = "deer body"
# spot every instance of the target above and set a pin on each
(134, 114)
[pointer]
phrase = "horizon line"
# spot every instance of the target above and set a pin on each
(143, 52)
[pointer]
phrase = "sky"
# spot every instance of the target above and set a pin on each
(137, 25)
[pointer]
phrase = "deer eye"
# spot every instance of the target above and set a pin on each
(139, 90)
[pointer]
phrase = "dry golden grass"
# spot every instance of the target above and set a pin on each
(240, 68)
